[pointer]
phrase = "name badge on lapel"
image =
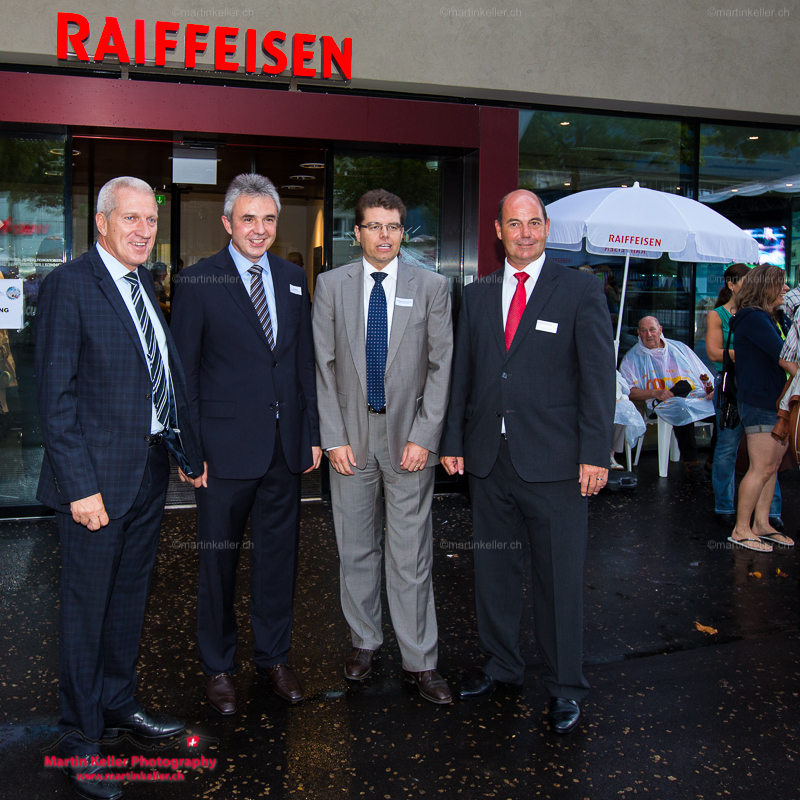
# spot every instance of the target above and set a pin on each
(406, 302)
(547, 327)
(295, 289)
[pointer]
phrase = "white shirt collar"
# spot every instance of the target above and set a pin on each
(117, 269)
(533, 269)
(390, 269)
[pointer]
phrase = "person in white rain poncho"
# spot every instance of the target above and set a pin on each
(628, 422)
(652, 368)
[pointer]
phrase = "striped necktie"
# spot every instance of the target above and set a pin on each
(259, 298)
(158, 375)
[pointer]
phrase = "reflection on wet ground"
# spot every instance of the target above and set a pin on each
(674, 712)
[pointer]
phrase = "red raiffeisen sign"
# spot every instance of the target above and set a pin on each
(74, 31)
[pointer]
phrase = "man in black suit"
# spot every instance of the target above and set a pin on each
(530, 419)
(242, 323)
(110, 388)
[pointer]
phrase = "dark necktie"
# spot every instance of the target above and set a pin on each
(158, 375)
(259, 299)
(377, 343)
(516, 309)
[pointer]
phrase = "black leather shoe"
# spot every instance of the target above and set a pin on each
(284, 681)
(91, 789)
(481, 685)
(563, 714)
(147, 724)
(726, 520)
(777, 523)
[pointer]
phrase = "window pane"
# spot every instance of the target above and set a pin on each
(31, 245)
(563, 153)
(416, 181)
(752, 177)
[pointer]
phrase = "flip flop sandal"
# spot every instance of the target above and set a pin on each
(770, 538)
(743, 543)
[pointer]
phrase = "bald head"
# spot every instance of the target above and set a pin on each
(522, 227)
(650, 333)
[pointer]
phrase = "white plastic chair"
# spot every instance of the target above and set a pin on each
(668, 449)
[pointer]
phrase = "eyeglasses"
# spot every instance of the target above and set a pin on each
(374, 227)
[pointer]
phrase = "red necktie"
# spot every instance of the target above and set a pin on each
(516, 309)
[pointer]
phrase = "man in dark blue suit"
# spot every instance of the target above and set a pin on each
(110, 390)
(242, 323)
(530, 417)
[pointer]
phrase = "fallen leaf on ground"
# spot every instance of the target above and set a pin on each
(754, 574)
(704, 628)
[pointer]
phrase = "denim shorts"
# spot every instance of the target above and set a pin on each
(755, 419)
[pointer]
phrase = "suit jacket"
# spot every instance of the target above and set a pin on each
(235, 382)
(555, 390)
(417, 361)
(94, 388)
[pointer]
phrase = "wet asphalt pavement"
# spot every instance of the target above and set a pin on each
(674, 711)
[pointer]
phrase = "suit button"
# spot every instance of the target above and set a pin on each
(272, 406)
(148, 397)
(274, 363)
(504, 375)
(498, 414)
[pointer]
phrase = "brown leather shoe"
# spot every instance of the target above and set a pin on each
(221, 694)
(359, 665)
(284, 681)
(432, 686)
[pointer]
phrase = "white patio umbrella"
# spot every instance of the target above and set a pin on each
(644, 223)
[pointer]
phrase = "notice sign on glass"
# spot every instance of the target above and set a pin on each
(10, 304)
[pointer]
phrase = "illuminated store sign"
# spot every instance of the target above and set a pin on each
(74, 31)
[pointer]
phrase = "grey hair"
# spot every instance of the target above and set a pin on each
(249, 184)
(108, 198)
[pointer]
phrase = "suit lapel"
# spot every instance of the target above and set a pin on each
(280, 285)
(400, 314)
(233, 283)
(495, 316)
(545, 286)
(110, 290)
(353, 299)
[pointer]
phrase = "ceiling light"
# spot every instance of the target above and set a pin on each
(753, 138)
(734, 190)
(565, 123)
(312, 165)
(301, 177)
(566, 184)
(291, 186)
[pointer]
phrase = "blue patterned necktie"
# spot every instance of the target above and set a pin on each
(259, 298)
(377, 343)
(158, 375)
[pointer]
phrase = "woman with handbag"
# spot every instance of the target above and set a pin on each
(760, 378)
(729, 427)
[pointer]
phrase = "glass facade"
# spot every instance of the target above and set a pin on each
(751, 175)
(32, 218)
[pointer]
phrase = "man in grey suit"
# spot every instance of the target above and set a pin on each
(530, 417)
(383, 343)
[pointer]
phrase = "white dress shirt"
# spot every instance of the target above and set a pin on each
(389, 284)
(243, 264)
(118, 272)
(510, 284)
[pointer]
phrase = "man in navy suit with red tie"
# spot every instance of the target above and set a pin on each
(111, 393)
(530, 416)
(242, 323)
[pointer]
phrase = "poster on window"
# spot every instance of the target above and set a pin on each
(10, 304)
